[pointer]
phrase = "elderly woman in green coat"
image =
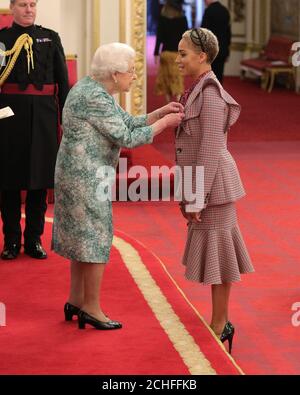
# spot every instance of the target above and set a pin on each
(95, 128)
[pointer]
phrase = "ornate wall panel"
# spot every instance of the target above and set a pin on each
(95, 24)
(237, 9)
(138, 41)
(285, 17)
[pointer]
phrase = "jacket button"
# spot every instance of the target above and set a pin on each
(179, 150)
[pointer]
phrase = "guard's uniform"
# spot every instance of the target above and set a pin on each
(36, 90)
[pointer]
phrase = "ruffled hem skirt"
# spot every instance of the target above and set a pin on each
(215, 252)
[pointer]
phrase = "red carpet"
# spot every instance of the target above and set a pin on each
(266, 342)
(265, 116)
(36, 339)
(142, 160)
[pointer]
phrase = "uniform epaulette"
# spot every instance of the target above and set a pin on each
(43, 28)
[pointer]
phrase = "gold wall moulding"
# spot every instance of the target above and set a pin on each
(238, 47)
(122, 30)
(254, 47)
(71, 57)
(237, 7)
(95, 25)
(138, 36)
(242, 47)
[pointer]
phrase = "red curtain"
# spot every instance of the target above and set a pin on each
(6, 19)
(72, 70)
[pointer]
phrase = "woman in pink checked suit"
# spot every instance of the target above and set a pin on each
(215, 252)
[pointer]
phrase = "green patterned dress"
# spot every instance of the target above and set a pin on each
(95, 128)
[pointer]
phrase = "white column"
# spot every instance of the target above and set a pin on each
(73, 30)
(109, 21)
(50, 16)
(4, 4)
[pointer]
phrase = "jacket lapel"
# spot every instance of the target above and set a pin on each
(234, 109)
(193, 111)
(196, 91)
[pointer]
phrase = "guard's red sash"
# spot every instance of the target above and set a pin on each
(13, 89)
(48, 90)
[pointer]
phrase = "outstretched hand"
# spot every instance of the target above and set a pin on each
(173, 119)
(173, 107)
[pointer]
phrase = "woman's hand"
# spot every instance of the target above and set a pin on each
(172, 120)
(173, 107)
(159, 114)
(191, 217)
(195, 217)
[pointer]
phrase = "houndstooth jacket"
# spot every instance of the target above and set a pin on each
(201, 140)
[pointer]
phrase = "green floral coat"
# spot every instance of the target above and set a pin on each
(95, 128)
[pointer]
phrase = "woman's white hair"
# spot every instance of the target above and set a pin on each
(111, 58)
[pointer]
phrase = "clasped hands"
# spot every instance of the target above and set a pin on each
(191, 217)
(172, 113)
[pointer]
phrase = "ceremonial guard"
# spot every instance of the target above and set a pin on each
(34, 84)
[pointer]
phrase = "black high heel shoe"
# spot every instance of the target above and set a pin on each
(227, 334)
(85, 318)
(70, 310)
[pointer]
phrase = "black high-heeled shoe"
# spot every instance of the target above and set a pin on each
(70, 310)
(85, 318)
(227, 334)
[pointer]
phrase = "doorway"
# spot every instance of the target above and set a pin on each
(193, 10)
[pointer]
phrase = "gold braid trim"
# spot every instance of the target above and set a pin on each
(24, 41)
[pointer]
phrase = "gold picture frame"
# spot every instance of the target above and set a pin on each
(237, 9)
